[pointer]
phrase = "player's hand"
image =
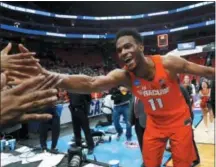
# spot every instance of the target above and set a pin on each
(16, 102)
(18, 77)
(41, 70)
(19, 66)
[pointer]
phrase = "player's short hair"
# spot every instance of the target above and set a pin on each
(129, 32)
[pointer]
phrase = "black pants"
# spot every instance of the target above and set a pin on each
(139, 132)
(80, 120)
(54, 124)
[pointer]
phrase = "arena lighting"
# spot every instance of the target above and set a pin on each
(16, 24)
(102, 36)
(139, 16)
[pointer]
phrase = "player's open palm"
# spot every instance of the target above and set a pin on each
(42, 70)
(18, 65)
(17, 77)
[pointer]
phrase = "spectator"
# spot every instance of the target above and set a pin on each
(121, 97)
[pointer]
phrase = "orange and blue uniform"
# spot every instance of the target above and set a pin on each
(168, 117)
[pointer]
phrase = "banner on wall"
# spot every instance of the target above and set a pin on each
(95, 108)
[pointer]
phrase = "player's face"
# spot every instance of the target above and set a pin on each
(129, 51)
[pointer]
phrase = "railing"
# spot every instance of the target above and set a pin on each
(103, 36)
(82, 29)
(139, 16)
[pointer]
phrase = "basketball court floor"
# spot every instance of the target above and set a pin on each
(130, 154)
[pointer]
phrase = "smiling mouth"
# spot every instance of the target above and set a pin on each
(127, 60)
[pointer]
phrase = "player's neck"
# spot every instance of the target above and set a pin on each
(146, 69)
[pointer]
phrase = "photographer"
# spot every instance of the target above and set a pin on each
(107, 109)
(53, 124)
(121, 97)
(79, 107)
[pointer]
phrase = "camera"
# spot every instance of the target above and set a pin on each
(75, 157)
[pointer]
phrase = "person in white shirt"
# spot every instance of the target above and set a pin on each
(107, 108)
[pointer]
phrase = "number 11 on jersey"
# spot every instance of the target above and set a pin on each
(156, 102)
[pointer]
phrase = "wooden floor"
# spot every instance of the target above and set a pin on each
(207, 155)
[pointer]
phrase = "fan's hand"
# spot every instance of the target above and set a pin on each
(18, 62)
(3, 80)
(17, 101)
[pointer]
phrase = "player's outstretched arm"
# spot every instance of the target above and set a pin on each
(180, 65)
(87, 84)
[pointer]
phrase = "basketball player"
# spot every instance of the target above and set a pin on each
(153, 80)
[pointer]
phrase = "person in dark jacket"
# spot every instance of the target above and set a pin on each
(79, 107)
(121, 97)
(54, 125)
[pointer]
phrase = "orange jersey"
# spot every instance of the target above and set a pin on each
(162, 98)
